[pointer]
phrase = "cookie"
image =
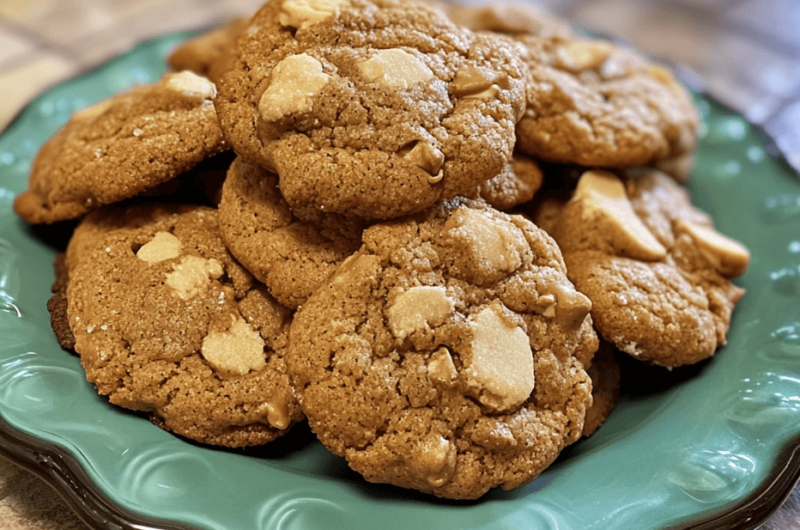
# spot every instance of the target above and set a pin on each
(605, 375)
(57, 304)
(373, 109)
(291, 256)
(508, 18)
(594, 104)
(166, 322)
(211, 53)
(121, 147)
(447, 354)
(516, 184)
(658, 274)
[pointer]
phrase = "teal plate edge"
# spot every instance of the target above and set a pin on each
(735, 479)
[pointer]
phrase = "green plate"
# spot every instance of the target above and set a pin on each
(708, 446)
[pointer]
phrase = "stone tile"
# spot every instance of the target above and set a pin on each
(746, 75)
(777, 18)
(21, 84)
(12, 45)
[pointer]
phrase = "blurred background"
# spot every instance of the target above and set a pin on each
(745, 53)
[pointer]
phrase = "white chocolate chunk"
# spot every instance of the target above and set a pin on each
(584, 55)
(502, 362)
(418, 309)
(425, 156)
(278, 414)
(473, 82)
(486, 248)
(434, 460)
(602, 196)
(237, 350)
(296, 80)
(191, 276)
(395, 68)
(191, 84)
(162, 247)
(300, 14)
(441, 368)
(729, 257)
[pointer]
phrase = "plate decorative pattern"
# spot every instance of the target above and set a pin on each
(714, 445)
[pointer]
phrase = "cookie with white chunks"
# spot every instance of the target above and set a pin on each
(447, 355)
(211, 53)
(121, 147)
(594, 104)
(658, 274)
(605, 375)
(374, 109)
(166, 322)
(291, 256)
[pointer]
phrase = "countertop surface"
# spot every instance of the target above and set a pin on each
(745, 53)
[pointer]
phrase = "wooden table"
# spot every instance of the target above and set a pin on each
(745, 52)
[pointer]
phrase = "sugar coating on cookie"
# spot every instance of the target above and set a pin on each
(166, 322)
(516, 184)
(122, 147)
(291, 256)
(657, 272)
(595, 104)
(371, 108)
(447, 354)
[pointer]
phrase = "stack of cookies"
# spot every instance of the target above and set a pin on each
(426, 229)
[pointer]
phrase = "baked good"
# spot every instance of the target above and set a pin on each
(516, 184)
(291, 256)
(211, 53)
(605, 375)
(374, 109)
(447, 355)
(122, 147)
(166, 322)
(658, 274)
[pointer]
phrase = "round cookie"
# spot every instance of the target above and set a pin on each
(511, 18)
(374, 109)
(166, 322)
(447, 354)
(121, 147)
(605, 375)
(657, 272)
(292, 257)
(211, 53)
(594, 104)
(516, 184)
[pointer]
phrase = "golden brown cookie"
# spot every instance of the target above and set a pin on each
(166, 322)
(374, 109)
(595, 104)
(121, 147)
(292, 257)
(605, 375)
(519, 181)
(211, 53)
(657, 272)
(57, 304)
(447, 354)
(512, 18)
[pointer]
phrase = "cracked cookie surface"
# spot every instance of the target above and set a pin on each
(374, 109)
(447, 354)
(122, 147)
(595, 104)
(166, 322)
(658, 274)
(291, 256)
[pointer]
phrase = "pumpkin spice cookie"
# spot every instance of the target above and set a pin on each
(374, 109)
(657, 272)
(519, 181)
(121, 147)
(511, 18)
(291, 256)
(211, 53)
(594, 104)
(447, 355)
(605, 375)
(166, 322)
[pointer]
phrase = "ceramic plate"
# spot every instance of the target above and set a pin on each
(708, 446)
